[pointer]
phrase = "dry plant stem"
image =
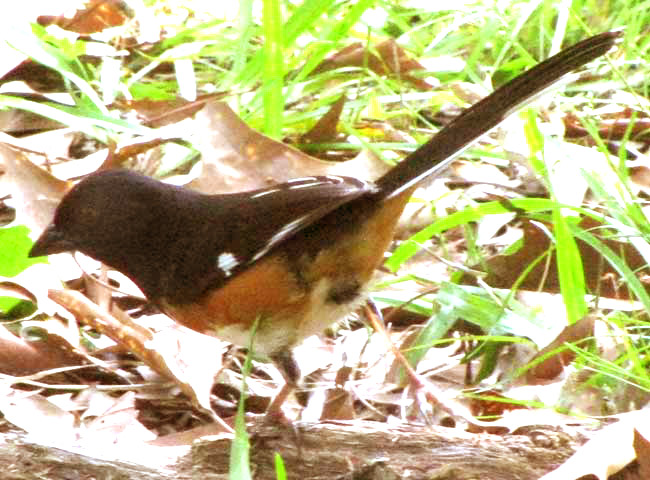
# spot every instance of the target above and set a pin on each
(124, 332)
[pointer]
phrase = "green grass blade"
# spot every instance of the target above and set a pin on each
(90, 123)
(335, 35)
(41, 52)
(569, 266)
(273, 74)
(246, 29)
(304, 18)
(471, 214)
(569, 262)
(618, 263)
(240, 468)
(280, 471)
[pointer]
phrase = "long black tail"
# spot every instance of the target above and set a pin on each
(489, 112)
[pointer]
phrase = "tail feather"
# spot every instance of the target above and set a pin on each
(483, 116)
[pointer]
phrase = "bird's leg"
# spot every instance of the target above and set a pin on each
(287, 365)
(426, 393)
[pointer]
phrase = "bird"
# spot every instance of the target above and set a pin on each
(269, 267)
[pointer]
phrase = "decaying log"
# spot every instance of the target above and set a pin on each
(354, 450)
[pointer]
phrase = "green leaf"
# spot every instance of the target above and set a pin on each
(14, 247)
(13, 308)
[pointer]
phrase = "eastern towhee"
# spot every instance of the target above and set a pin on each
(291, 259)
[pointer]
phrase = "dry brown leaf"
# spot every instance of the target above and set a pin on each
(14, 290)
(38, 77)
(116, 422)
(641, 445)
(552, 366)
(36, 191)
(615, 126)
(493, 403)
(22, 122)
(237, 158)
(325, 129)
(115, 434)
(600, 277)
(640, 176)
(335, 403)
(188, 437)
(390, 59)
(608, 451)
(338, 405)
(158, 113)
(95, 17)
(20, 357)
(512, 420)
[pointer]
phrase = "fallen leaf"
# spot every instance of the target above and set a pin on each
(95, 17)
(37, 192)
(158, 113)
(37, 76)
(600, 276)
(553, 365)
(117, 423)
(607, 452)
(631, 123)
(642, 449)
(237, 158)
(325, 129)
(21, 357)
(177, 354)
(390, 58)
(37, 416)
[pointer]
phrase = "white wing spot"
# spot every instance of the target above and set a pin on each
(226, 262)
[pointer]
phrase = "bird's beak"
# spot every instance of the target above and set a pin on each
(51, 241)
